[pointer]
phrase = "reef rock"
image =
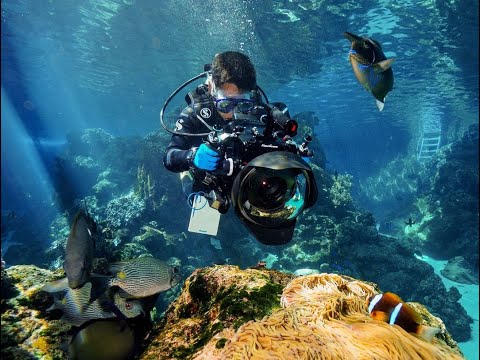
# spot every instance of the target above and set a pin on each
(227, 313)
(458, 270)
(26, 333)
(224, 312)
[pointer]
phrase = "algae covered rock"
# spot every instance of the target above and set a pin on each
(26, 333)
(457, 269)
(224, 312)
(215, 302)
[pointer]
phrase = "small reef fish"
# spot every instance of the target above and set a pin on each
(79, 250)
(77, 310)
(143, 276)
(390, 308)
(371, 67)
(103, 340)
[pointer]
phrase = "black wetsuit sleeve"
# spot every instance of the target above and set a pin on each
(180, 147)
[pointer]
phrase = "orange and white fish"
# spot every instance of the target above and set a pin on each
(390, 308)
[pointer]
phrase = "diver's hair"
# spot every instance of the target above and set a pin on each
(234, 67)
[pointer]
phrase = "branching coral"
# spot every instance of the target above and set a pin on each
(124, 210)
(96, 138)
(340, 192)
(324, 316)
(145, 187)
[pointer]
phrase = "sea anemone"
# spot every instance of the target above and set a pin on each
(324, 316)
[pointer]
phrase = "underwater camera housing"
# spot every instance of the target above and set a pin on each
(263, 174)
(270, 192)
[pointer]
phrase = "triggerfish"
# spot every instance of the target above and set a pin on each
(103, 340)
(371, 67)
(390, 308)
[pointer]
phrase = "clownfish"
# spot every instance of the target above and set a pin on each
(390, 308)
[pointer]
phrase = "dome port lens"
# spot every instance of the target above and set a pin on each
(269, 192)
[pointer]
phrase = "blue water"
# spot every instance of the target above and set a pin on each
(71, 65)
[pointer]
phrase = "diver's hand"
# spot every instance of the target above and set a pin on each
(206, 158)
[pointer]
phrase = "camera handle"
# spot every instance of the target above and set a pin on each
(303, 148)
(216, 199)
(215, 143)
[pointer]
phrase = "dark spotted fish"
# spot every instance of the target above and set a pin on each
(143, 277)
(79, 250)
(371, 67)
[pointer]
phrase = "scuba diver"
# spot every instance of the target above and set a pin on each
(230, 84)
(410, 222)
(231, 147)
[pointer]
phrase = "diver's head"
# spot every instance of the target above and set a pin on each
(232, 80)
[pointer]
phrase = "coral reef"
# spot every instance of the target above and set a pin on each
(104, 188)
(145, 184)
(85, 162)
(228, 313)
(453, 230)
(340, 191)
(393, 188)
(121, 211)
(351, 245)
(214, 302)
(137, 216)
(225, 312)
(26, 333)
(441, 195)
(96, 139)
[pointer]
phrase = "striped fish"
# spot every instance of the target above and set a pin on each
(77, 310)
(143, 276)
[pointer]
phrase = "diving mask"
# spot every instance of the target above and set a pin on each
(226, 104)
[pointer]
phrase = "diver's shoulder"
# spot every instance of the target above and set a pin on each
(187, 112)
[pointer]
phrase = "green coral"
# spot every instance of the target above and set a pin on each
(27, 331)
(152, 235)
(244, 305)
(221, 343)
(132, 251)
(85, 162)
(206, 333)
(104, 188)
(145, 187)
(237, 306)
(340, 191)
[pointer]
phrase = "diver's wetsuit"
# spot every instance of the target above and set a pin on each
(179, 149)
(179, 154)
